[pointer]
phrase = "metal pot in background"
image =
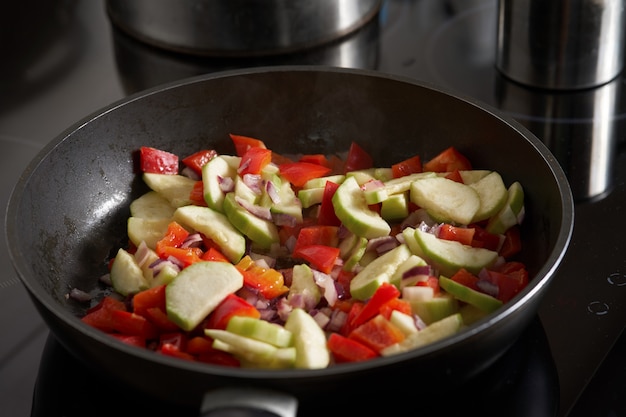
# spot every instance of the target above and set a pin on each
(560, 44)
(240, 27)
(143, 66)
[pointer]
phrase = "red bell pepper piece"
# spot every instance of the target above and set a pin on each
(177, 340)
(187, 256)
(512, 242)
(411, 165)
(199, 159)
(484, 239)
(130, 340)
(326, 215)
(174, 237)
(243, 143)
(511, 278)
(377, 333)
(318, 158)
(345, 349)
(109, 303)
(398, 304)
(382, 295)
(157, 161)
(152, 297)
(219, 358)
(317, 235)
(132, 324)
(213, 254)
(449, 159)
(463, 235)
(202, 348)
(321, 257)
(100, 315)
(268, 281)
(358, 158)
(197, 194)
(159, 318)
(199, 344)
(354, 311)
(254, 160)
(174, 344)
(232, 305)
(455, 176)
(463, 276)
(170, 350)
(298, 173)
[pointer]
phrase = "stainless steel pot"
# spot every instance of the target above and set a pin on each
(240, 27)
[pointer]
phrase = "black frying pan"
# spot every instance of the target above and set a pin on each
(69, 209)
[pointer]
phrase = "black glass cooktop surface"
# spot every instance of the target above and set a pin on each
(67, 61)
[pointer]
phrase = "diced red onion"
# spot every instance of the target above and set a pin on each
(321, 319)
(254, 182)
(416, 217)
(245, 163)
(258, 211)
(190, 173)
(158, 265)
(283, 308)
(419, 323)
(263, 260)
(267, 314)
(272, 192)
(487, 287)
(106, 279)
(80, 295)
(432, 229)
(142, 253)
(174, 260)
(326, 282)
(297, 301)
(337, 320)
(372, 185)
(226, 183)
(382, 244)
(283, 219)
(417, 270)
(290, 243)
(343, 232)
(192, 241)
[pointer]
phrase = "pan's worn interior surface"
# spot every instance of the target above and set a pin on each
(68, 212)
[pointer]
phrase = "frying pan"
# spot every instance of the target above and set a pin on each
(68, 212)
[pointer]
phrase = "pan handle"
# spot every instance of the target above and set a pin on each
(248, 402)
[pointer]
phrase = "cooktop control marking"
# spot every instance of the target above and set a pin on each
(598, 308)
(617, 278)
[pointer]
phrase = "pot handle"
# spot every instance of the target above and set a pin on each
(248, 402)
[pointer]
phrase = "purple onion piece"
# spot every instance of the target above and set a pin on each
(226, 184)
(258, 211)
(272, 192)
(79, 295)
(417, 270)
(254, 182)
(488, 287)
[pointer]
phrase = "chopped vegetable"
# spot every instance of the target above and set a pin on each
(305, 261)
(157, 161)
